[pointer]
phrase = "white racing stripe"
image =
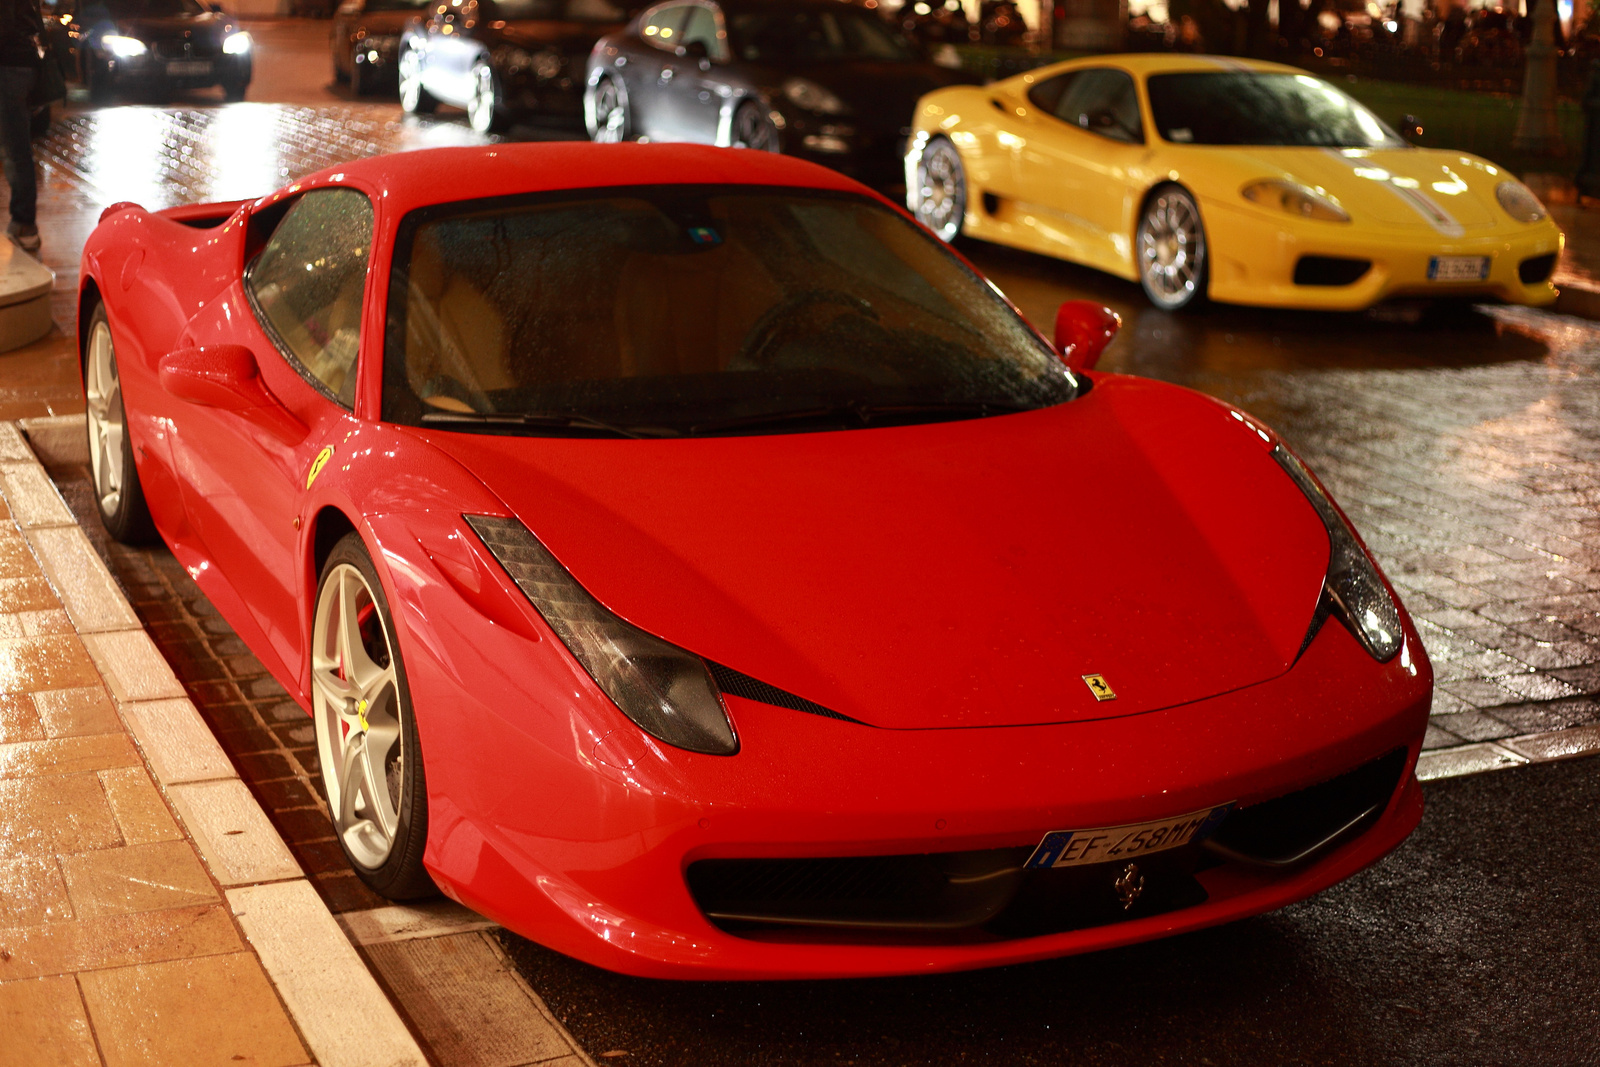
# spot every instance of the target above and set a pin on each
(1416, 199)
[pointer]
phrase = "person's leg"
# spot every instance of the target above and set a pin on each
(17, 139)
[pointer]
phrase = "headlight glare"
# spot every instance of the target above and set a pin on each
(807, 94)
(666, 690)
(1352, 588)
(123, 47)
(237, 44)
(1519, 202)
(1295, 199)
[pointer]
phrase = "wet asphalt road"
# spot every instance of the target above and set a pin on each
(1477, 942)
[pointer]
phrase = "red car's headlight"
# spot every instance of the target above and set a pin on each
(1352, 589)
(667, 690)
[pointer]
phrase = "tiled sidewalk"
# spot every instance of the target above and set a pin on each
(129, 935)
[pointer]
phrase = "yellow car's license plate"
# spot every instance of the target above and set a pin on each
(1076, 848)
(1458, 268)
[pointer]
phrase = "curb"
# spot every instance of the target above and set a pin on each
(342, 1013)
(434, 965)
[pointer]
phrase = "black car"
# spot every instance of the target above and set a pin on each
(504, 59)
(364, 40)
(158, 46)
(820, 79)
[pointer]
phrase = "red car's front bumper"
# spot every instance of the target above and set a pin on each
(554, 815)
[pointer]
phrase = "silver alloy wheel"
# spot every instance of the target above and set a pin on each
(357, 709)
(103, 393)
(754, 130)
(941, 190)
(410, 73)
(1172, 249)
(480, 109)
(610, 113)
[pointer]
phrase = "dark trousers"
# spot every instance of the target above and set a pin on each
(17, 139)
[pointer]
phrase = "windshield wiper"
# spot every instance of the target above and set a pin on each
(863, 415)
(538, 421)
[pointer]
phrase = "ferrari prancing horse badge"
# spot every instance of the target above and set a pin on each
(1098, 686)
(317, 465)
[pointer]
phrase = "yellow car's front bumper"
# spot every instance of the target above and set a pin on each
(1254, 255)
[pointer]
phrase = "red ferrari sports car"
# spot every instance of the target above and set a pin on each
(690, 563)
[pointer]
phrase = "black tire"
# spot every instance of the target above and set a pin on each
(611, 122)
(414, 99)
(118, 496)
(396, 871)
(938, 198)
(98, 79)
(753, 129)
(1170, 250)
(361, 79)
(233, 91)
(486, 112)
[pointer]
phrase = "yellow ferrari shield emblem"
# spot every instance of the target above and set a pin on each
(317, 465)
(1099, 687)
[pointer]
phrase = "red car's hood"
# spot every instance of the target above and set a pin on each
(959, 574)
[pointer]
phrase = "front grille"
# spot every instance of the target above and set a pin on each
(948, 896)
(174, 49)
(1291, 829)
(1536, 269)
(986, 895)
(1330, 270)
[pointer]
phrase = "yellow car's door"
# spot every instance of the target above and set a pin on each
(1081, 135)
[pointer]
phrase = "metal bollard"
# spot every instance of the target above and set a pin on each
(1588, 177)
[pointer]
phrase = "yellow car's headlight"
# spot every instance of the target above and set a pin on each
(1519, 202)
(1295, 199)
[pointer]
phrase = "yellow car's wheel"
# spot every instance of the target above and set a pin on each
(1171, 243)
(941, 192)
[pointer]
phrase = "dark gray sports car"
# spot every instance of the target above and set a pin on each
(814, 78)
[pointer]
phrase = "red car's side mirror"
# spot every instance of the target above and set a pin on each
(1083, 329)
(227, 377)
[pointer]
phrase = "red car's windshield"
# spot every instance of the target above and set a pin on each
(683, 310)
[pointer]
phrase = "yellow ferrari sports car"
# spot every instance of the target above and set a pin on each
(1245, 182)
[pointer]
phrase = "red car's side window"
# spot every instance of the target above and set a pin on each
(307, 286)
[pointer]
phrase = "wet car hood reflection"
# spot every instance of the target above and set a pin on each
(802, 559)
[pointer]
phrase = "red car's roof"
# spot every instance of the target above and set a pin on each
(409, 180)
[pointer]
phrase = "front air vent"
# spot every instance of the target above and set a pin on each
(1330, 270)
(1536, 269)
(1297, 827)
(742, 685)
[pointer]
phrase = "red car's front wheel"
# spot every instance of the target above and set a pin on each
(372, 772)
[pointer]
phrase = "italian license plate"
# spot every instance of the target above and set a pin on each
(1458, 268)
(188, 68)
(1076, 848)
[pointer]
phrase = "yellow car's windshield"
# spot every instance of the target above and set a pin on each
(1261, 108)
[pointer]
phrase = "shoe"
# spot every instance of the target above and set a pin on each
(25, 234)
